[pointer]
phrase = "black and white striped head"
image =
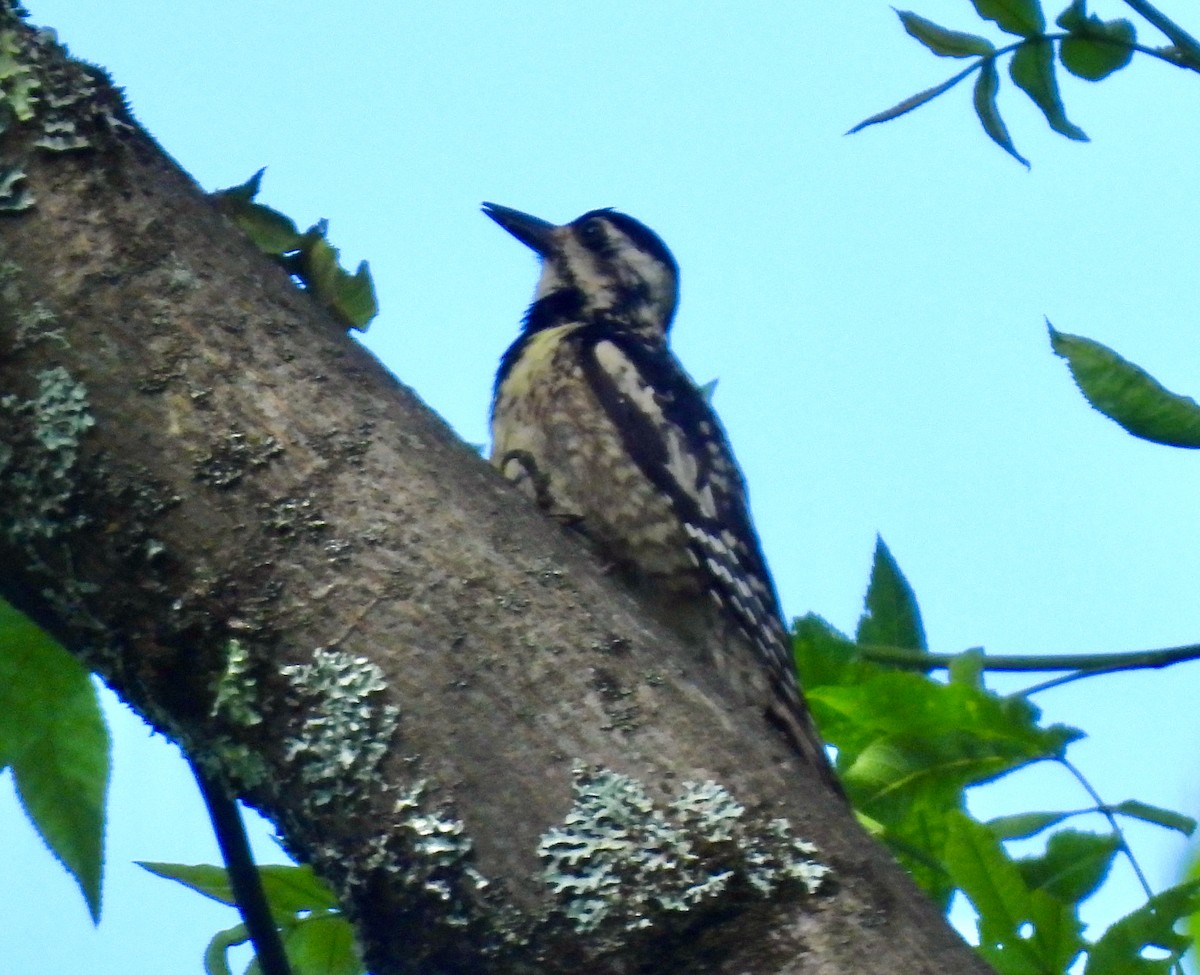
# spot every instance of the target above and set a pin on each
(601, 265)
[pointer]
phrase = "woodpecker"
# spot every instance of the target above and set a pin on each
(599, 424)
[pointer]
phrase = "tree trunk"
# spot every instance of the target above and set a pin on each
(277, 555)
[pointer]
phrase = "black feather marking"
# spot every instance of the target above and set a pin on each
(557, 308)
(686, 410)
(642, 236)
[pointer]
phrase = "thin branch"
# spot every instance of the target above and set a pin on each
(1106, 811)
(1178, 36)
(1085, 663)
(1059, 681)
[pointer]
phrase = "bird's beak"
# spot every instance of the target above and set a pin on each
(531, 231)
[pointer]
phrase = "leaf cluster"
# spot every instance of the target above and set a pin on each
(307, 256)
(316, 935)
(1087, 46)
(909, 747)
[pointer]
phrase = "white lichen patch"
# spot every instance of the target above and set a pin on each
(442, 848)
(347, 730)
(621, 863)
(14, 194)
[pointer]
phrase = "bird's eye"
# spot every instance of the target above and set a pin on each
(592, 234)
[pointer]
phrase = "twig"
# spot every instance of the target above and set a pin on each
(1177, 35)
(1085, 663)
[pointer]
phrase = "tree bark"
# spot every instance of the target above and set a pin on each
(274, 552)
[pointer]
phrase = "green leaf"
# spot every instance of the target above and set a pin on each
(1057, 934)
(1023, 825)
(309, 255)
(289, 889)
(1167, 818)
(989, 115)
(319, 945)
(53, 736)
(1074, 17)
(350, 298)
(989, 879)
(891, 769)
(891, 616)
(1094, 60)
(900, 734)
(1073, 865)
(271, 232)
(318, 261)
(1192, 873)
(354, 297)
(918, 840)
(317, 938)
(1032, 70)
(203, 878)
(911, 102)
(1022, 17)
(1096, 48)
(824, 656)
(244, 192)
(1007, 905)
(1119, 951)
(1127, 394)
(942, 41)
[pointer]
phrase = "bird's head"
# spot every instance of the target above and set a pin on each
(603, 264)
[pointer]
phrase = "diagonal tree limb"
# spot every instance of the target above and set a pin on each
(267, 546)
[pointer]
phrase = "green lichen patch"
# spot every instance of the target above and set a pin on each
(40, 488)
(238, 764)
(18, 84)
(348, 729)
(621, 863)
(236, 698)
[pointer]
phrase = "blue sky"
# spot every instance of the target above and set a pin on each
(873, 307)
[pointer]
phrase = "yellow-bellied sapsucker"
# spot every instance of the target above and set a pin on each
(594, 418)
